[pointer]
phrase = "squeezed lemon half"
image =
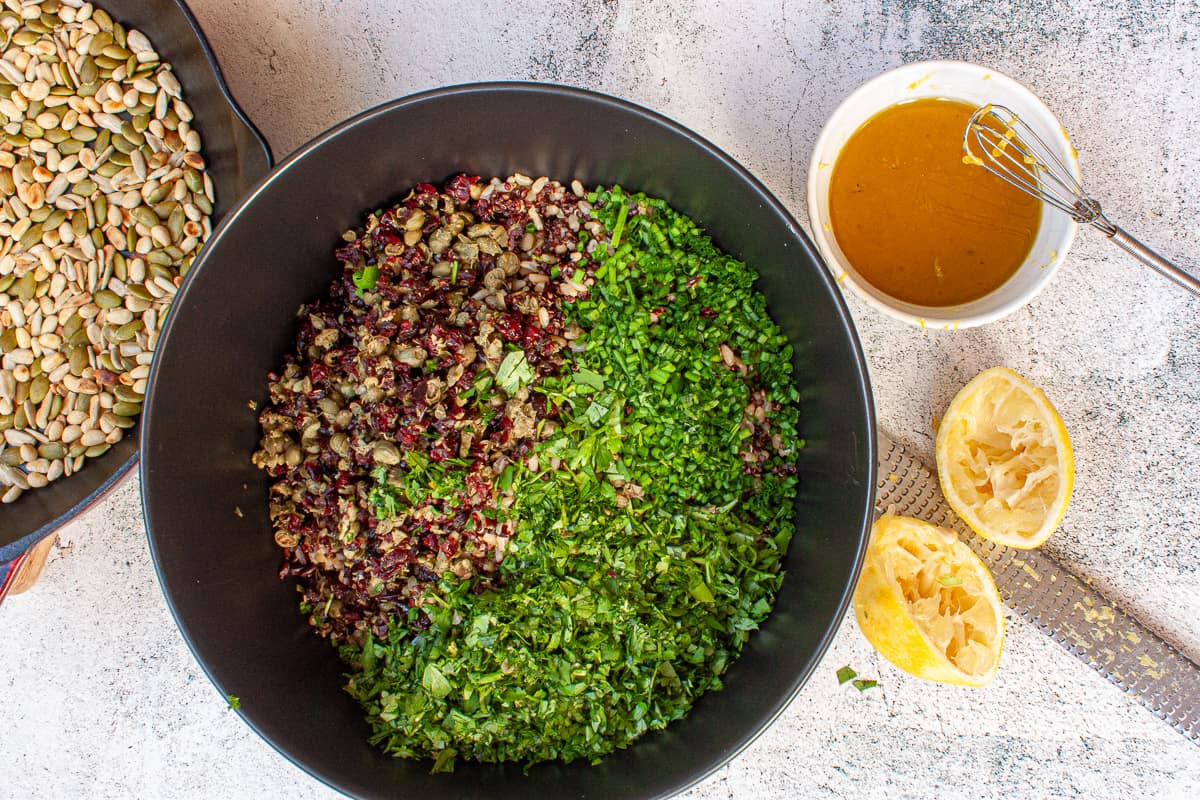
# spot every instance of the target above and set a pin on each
(928, 604)
(1004, 459)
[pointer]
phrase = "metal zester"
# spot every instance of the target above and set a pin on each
(1064, 607)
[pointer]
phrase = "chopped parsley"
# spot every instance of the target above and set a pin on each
(847, 675)
(515, 372)
(641, 563)
(234, 701)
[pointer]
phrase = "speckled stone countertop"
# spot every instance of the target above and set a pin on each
(101, 698)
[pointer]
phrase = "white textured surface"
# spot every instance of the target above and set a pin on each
(101, 698)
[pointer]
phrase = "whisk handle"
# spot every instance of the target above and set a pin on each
(1153, 260)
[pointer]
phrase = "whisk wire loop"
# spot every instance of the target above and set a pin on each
(999, 141)
(1014, 152)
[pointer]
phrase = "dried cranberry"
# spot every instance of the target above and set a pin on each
(459, 187)
(348, 253)
(445, 447)
(510, 326)
(383, 418)
(412, 257)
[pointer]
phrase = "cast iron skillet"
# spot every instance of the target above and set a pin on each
(237, 157)
(206, 506)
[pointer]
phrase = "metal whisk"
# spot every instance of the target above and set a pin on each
(998, 140)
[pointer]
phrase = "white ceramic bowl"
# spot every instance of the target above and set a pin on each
(954, 80)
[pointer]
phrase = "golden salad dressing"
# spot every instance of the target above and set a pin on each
(914, 220)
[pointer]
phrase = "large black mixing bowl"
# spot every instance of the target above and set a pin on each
(237, 157)
(206, 506)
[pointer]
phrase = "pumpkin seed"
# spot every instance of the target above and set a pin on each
(128, 330)
(87, 69)
(26, 286)
(126, 394)
(52, 451)
(146, 216)
(125, 409)
(106, 298)
(78, 360)
(38, 389)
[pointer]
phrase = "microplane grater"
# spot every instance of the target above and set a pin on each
(1058, 603)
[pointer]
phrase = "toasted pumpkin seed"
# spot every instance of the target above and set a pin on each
(124, 409)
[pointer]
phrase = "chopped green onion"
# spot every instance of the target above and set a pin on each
(365, 278)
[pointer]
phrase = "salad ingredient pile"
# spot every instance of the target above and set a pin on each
(534, 463)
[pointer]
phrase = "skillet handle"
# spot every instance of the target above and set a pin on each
(22, 572)
(8, 574)
(254, 151)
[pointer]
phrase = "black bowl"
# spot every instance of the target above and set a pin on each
(206, 506)
(237, 157)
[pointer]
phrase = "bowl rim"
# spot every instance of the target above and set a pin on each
(859, 367)
(934, 316)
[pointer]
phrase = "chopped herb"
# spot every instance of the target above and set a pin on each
(454, 272)
(589, 379)
(514, 372)
(863, 685)
(365, 278)
(435, 682)
(641, 562)
(444, 761)
(235, 702)
(845, 673)
(619, 227)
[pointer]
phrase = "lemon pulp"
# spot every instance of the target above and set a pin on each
(928, 604)
(1004, 459)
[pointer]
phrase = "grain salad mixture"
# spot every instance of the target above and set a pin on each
(533, 467)
(104, 202)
